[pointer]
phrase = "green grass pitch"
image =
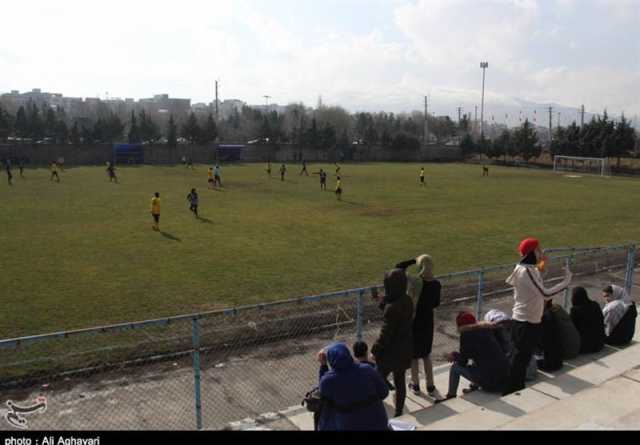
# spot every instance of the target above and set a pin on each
(82, 252)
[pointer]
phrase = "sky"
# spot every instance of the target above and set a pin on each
(364, 55)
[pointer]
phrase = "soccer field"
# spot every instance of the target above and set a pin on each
(82, 252)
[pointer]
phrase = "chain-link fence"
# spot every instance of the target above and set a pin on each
(206, 371)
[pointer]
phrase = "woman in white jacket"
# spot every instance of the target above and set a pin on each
(530, 295)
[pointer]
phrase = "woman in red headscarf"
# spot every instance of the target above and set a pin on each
(530, 294)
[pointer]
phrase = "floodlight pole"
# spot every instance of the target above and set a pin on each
(484, 66)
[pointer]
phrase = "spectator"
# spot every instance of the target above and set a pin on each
(568, 334)
(478, 342)
(394, 348)
(503, 334)
(425, 292)
(550, 344)
(588, 320)
(529, 295)
(361, 353)
(353, 393)
(620, 315)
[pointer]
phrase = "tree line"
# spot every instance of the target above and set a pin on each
(601, 137)
(33, 123)
(322, 128)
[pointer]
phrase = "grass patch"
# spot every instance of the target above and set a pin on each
(82, 253)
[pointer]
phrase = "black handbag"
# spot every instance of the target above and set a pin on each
(313, 400)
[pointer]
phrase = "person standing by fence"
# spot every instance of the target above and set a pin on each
(529, 294)
(393, 350)
(425, 292)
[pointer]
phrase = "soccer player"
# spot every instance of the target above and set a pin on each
(323, 179)
(210, 178)
(216, 174)
(184, 161)
(337, 168)
(283, 170)
(155, 211)
(190, 163)
(304, 168)
(422, 177)
(54, 171)
(193, 201)
(21, 166)
(269, 168)
(7, 166)
(111, 171)
(339, 189)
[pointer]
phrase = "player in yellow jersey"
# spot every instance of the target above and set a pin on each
(155, 211)
(54, 171)
(422, 177)
(339, 189)
(210, 177)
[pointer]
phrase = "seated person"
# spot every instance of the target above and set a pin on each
(588, 320)
(490, 368)
(550, 345)
(353, 393)
(620, 315)
(503, 334)
(568, 334)
(361, 353)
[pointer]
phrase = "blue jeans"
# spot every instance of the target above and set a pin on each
(456, 371)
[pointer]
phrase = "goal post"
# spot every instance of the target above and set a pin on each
(579, 164)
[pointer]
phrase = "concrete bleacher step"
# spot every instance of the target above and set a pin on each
(592, 391)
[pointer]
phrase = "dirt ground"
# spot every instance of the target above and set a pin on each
(253, 384)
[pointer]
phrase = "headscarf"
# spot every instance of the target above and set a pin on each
(615, 310)
(579, 296)
(395, 285)
(495, 316)
(339, 357)
(425, 263)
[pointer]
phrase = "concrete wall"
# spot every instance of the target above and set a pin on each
(163, 154)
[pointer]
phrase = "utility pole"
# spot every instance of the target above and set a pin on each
(459, 116)
(559, 114)
(484, 66)
(426, 120)
(582, 117)
(217, 109)
(550, 124)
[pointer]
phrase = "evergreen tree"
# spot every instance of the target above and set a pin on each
(86, 134)
(210, 131)
(35, 123)
(467, 145)
(134, 130)
(172, 132)
(149, 131)
(6, 124)
(75, 134)
(525, 141)
(191, 129)
(21, 124)
(50, 123)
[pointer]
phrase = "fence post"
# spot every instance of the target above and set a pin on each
(568, 263)
(479, 295)
(359, 314)
(631, 265)
(196, 371)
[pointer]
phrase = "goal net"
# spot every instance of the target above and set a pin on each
(594, 166)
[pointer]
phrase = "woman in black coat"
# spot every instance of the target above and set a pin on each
(425, 290)
(588, 320)
(393, 349)
(551, 344)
